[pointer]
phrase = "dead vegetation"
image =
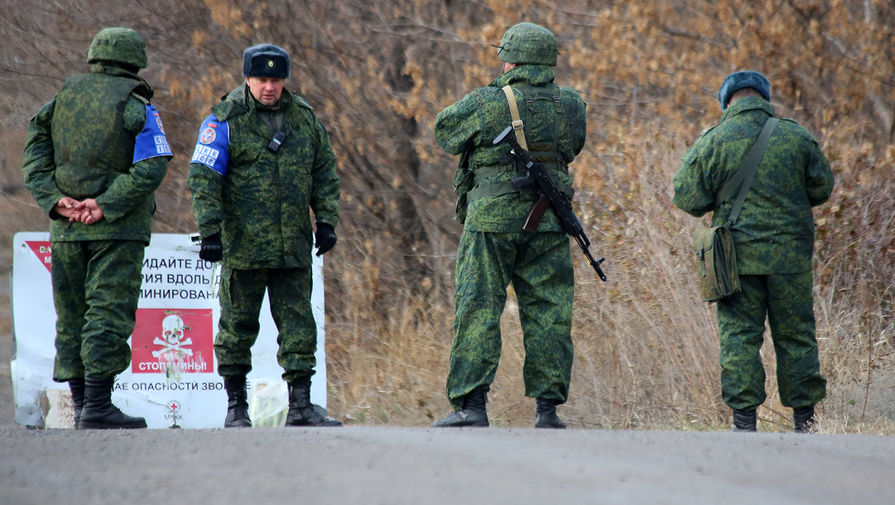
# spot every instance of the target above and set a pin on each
(377, 72)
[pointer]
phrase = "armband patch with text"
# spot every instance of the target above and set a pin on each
(151, 141)
(213, 145)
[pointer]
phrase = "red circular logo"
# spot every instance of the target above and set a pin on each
(207, 136)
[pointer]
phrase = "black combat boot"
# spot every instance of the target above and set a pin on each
(237, 407)
(98, 412)
(744, 420)
(77, 398)
(301, 411)
(473, 413)
(803, 419)
(545, 415)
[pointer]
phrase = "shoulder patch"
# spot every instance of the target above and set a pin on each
(213, 145)
(151, 142)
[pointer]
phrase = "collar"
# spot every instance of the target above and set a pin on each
(143, 89)
(747, 104)
(536, 75)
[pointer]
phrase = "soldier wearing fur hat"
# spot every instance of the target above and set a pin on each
(94, 156)
(774, 242)
(262, 162)
(494, 250)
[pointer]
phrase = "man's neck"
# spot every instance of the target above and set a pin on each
(274, 107)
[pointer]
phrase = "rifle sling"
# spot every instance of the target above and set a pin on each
(518, 127)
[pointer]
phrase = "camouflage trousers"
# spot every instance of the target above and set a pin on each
(786, 300)
(540, 268)
(241, 296)
(96, 287)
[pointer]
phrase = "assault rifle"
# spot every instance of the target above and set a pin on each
(548, 195)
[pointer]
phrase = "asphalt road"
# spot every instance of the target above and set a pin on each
(378, 465)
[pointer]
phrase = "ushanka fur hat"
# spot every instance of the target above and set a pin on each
(265, 60)
(743, 79)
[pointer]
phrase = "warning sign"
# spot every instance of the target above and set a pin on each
(44, 252)
(173, 341)
(172, 379)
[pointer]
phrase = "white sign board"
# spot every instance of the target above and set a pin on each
(172, 380)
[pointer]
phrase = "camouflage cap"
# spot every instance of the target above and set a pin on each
(528, 43)
(740, 80)
(265, 60)
(121, 45)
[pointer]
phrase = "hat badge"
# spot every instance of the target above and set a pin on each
(270, 63)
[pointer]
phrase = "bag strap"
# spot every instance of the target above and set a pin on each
(514, 113)
(745, 174)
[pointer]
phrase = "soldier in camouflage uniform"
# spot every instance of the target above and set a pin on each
(494, 250)
(94, 156)
(774, 241)
(262, 160)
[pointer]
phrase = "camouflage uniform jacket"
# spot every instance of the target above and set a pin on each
(260, 205)
(775, 230)
(81, 145)
(471, 124)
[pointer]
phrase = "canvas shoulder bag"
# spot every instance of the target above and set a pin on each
(718, 277)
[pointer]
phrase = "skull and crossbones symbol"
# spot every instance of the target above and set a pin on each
(173, 341)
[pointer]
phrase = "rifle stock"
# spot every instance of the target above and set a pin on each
(535, 213)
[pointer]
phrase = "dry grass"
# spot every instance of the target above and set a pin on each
(646, 348)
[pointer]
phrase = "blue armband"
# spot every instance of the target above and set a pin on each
(151, 142)
(213, 145)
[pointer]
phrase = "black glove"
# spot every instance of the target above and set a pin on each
(324, 238)
(211, 248)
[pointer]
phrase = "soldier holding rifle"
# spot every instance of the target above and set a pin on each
(495, 250)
